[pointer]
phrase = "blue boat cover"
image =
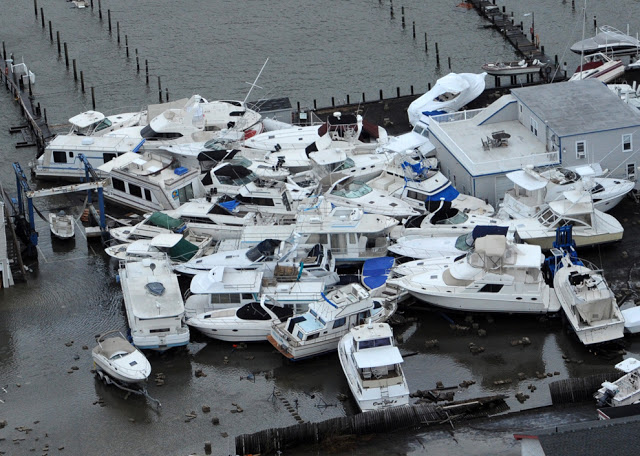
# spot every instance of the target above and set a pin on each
(433, 113)
(181, 170)
(229, 205)
(484, 230)
(375, 271)
(448, 194)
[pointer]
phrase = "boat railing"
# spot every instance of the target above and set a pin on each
(456, 116)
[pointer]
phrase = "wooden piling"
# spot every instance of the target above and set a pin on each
(35, 7)
(595, 22)
(82, 81)
(166, 92)
(100, 9)
(137, 61)
(411, 89)
(426, 49)
(50, 32)
(146, 65)
(159, 90)
(93, 98)
(391, 10)
(126, 44)
(397, 92)
(348, 99)
(363, 99)
(315, 104)
(118, 31)
(414, 30)
(402, 10)
(42, 17)
(333, 102)
(449, 62)
(58, 38)
(437, 55)
(381, 97)
(75, 74)
(66, 55)
(4, 52)
(109, 19)
(91, 5)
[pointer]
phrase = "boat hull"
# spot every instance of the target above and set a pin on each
(161, 343)
(546, 241)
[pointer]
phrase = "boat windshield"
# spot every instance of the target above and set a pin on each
(348, 163)
(242, 161)
(464, 242)
(352, 190)
(460, 217)
(372, 343)
(106, 123)
(217, 144)
(236, 180)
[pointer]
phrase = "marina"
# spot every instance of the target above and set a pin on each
(296, 228)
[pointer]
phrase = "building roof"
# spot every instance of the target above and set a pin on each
(578, 107)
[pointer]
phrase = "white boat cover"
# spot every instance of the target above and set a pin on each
(525, 180)
(467, 85)
(628, 365)
(376, 357)
(166, 240)
(84, 119)
(631, 319)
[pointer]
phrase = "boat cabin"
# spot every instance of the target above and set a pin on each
(375, 356)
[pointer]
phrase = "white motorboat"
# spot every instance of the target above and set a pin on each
(153, 302)
(348, 191)
(599, 66)
(372, 365)
(178, 248)
(589, 225)
(94, 123)
(149, 227)
(523, 66)
(417, 181)
(422, 247)
(445, 221)
(250, 323)
(222, 288)
(363, 167)
(116, 357)
(608, 40)
(151, 182)
(587, 301)
(496, 276)
(631, 317)
(62, 225)
(449, 94)
(533, 190)
(623, 391)
(319, 330)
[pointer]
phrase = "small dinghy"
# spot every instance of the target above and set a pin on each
(61, 225)
(116, 358)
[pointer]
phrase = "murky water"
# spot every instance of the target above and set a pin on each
(317, 51)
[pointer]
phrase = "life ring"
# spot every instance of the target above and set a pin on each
(174, 194)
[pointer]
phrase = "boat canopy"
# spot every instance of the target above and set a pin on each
(447, 194)
(375, 271)
(525, 180)
(162, 220)
(183, 250)
(486, 230)
(86, 119)
(378, 356)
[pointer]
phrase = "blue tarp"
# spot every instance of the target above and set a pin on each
(375, 271)
(229, 205)
(485, 230)
(433, 113)
(448, 194)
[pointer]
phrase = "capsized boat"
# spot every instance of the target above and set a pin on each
(625, 390)
(319, 330)
(588, 302)
(449, 94)
(120, 360)
(62, 225)
(496, 276)
(372, 364)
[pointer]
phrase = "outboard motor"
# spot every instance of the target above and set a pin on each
(280, 162)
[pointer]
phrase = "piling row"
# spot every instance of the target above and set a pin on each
(380, 421)
(580, 389)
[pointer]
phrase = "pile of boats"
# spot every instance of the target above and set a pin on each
(269, 228)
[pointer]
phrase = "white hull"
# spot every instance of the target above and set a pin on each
(104, 366)
(161, 343)
(546, 240)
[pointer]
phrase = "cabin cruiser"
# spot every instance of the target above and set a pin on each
(349, 191)
(320, 329)
(424, 247)
(153, 303)
(496, 276)
(62, 225)
(599, 66)
(177, 247)
(587, 301)
(449, 94)
(589, 225)
(608, 40)
(417, 181)
(151, 182)
(249, 323)
(533, 190)
(150, 226)
(445, 221)
(372, 365)
(94, 123)
(623, 391)
(222, 288)
(117, 358)
(352, 235)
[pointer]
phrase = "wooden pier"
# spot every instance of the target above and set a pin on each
(580, 389)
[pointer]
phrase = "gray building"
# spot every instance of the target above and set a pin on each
(571, 124)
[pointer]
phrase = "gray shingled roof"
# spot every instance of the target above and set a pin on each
(577, 107)
(592, 438)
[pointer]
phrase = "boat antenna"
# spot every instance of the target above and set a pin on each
(256, 80)
(584, 21)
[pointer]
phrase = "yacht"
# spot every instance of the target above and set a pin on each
(348, 191)
(608, 40)
(418, 182)
(587, 301)
(116, 358)
(533, 190)
(153, 302)
(177, 247)
(425, 247)
(372, 365)
(151, 182)
(249, 323)
(589, 225)
(623, 391)
(320, 329)
(150, 226)
(496, 276)
(94, 123)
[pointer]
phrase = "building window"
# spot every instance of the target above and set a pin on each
(631, 171)
(534, 126)
(626, 143)
(581, 149)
